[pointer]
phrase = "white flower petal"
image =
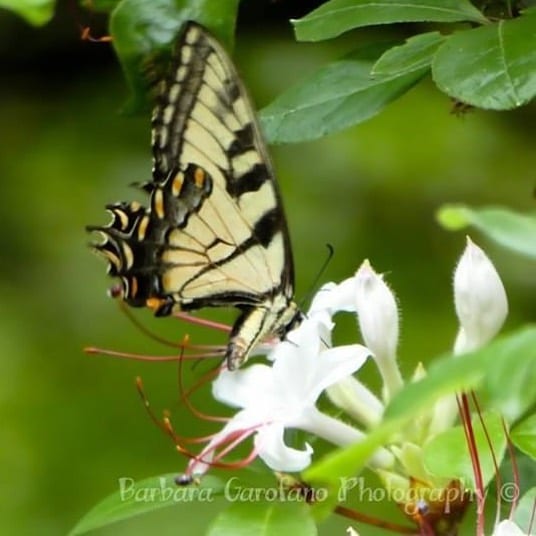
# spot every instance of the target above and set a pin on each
(333, 298)
(297, 360)
(303, 376)
(241, 388)
(278, 456)
(307, 337)
(508, 528)
(323, 299)
(335, 364)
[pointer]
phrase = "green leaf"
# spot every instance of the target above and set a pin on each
(447, 454)
(338, 16)
(524, 514)
(35, 12)
(505, 370)
(493, 67)
(135, 498)
(510, 383)
(249, 516)
(337, 96)
(510, 229)
(143, 33)
(511, 376)
(416, 53)
(523, 436)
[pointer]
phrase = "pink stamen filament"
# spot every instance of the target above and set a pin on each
(127, 355)
(125, 309)
(202, 322)
(178, 439)
(184, 395)
(234, 438)
(498, 479)
(165, 424)
(463, 408)
(156, 358)
(234, 444)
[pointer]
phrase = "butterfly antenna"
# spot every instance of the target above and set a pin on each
(314, 284)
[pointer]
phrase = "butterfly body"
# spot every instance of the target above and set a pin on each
(214, 233)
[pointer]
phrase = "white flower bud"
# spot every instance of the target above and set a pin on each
(480, 299)
(378, 321)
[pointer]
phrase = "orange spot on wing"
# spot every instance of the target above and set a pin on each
(133, 286)
(176, 186)
(199, 177)
(154, 303)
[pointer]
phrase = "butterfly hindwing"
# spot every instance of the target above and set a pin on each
(214, 233)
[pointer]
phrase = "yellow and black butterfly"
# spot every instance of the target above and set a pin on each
(215, 233)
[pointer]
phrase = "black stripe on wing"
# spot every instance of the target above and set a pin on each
(202, 91)
(202, 66)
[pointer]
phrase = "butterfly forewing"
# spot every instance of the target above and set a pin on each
(215, 232)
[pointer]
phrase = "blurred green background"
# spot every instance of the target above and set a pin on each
(72, 424)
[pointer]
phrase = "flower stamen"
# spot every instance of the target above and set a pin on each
(185, 394)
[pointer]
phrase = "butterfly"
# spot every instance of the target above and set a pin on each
(214, 233)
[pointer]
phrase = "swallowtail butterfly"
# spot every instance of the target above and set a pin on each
(214, 233)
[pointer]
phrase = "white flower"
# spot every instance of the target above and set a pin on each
(480, 300)
(481, 307)
(283, 395)
(333, 297)
(378, 321)
(508, 528)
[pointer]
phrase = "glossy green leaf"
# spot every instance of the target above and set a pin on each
(338, 16)
(511, 358)
(509, 229)
(447, 454)
(523, 436)
(135, 498)
(416, 53)
(143, 33)
(511, 376)
(35, 12)
(249, 516)
(524, 514)
(492, 67)
(337, 96)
